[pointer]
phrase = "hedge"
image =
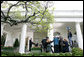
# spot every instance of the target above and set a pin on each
(75, 52)
(35, 48)
(8, 48)
(6, 53)
(34, 54)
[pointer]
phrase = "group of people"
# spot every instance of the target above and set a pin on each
(60, 44)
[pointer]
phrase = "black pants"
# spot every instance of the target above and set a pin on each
(45, 48)
(30, 48)
(60, 48)
(56, 48)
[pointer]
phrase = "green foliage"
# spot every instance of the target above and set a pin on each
(30, 54)
(7, 48)
(36, 48)
(6, 53)
(77, 52)
(47, 54)
(42, 25)
(68, 54)
(16, 44)
(43, 18)
(34, 54)
(3, 55)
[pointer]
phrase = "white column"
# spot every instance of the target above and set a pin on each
(79, 35)
(9, 40)
(50, 34)
(28, 45)
(22, 41)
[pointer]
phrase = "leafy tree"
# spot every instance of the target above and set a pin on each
(35, 13)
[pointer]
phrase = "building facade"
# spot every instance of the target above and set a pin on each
(63, 19)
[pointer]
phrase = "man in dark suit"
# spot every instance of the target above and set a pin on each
(30, 44)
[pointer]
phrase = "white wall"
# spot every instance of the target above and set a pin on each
(39, 36)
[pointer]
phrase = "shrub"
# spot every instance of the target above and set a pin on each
(2, 46)
(62, 54)
(77, 52)
(44, 54)
(8, 48)
(35, 48)
(16, 44)
(47, 54)
(6, 53)
(68, 54)
(34, 54)
(3, 55)
(30, 54)
(3, 38)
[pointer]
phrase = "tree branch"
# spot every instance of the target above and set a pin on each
(2, 13)
(26, 9)
(11, 21)
(11, 7)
